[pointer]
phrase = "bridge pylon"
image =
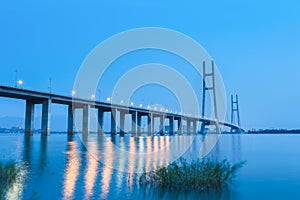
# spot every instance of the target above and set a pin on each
(235, 110)
(207, 88)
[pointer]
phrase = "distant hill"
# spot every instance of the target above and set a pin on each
(10, 121)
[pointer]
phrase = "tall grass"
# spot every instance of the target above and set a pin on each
(199, 175)
(9, 174)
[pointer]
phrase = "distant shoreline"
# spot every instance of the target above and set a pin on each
(274, 131)
(256, 132)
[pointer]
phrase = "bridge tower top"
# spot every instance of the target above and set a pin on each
(209, 86)
(209, 75)
(235, 109)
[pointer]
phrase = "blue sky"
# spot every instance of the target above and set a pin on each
(256, 45)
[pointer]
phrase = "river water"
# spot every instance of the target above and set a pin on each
(105, 167)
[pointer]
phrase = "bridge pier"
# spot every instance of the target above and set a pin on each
(150, 123)
(100, 121)
(85, 119)
(71, 113)
(188, 126)
(171, 124)
(139, 123)
(122, 123)
(179, 126)
(113, 117)
(134, 122)
(46, 116)
(154, 130)
(29, 117)
(162, 124)
(218, 129)
(195, 126)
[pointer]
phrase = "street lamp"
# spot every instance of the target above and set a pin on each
(16, 80)
(131, 103)
(50, 85)
(141, 105)
(93, 96)
(108, 99)
(73, 92)
(20, 82)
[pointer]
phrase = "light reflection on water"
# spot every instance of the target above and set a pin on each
(107, 171)
(70, 169)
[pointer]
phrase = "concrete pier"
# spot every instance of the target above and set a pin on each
(134, 122)
(150, 123)
(195, 126)
(100, 121)
(85, 119)
(113, 121)
(188, 126)
(122, 123)
(171, 124)
(71, 113)
(139, 123)
(29, 117)
(180, 126)
(162, 124)
(46, 116)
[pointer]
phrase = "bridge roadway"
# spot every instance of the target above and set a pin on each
(46, 99)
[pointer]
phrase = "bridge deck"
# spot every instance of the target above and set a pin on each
(39, 97)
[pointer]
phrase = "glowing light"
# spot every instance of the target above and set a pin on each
(141, 105)
(73, 92)
(20, 82)
(108, 99)
(131, 103)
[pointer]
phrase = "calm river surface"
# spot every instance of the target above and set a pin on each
(62, 167)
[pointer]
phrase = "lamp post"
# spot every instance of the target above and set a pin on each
(50, 85)
(16, 78)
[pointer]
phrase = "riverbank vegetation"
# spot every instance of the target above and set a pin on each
(199, 175)
(9, 174)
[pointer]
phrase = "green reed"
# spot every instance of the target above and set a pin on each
(200, 175)
(9, 174)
